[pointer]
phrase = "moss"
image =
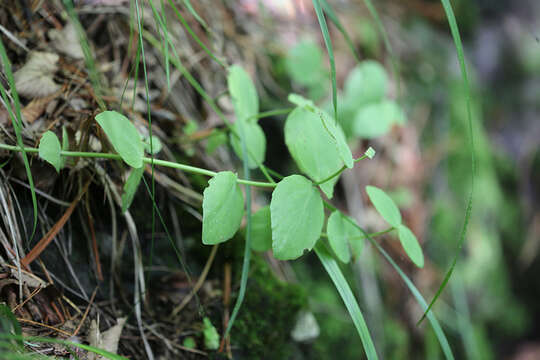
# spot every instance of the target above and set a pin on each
(268, 314)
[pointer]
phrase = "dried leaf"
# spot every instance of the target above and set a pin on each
(35, 78)
(108, 340)
(36, 107)
(67, 41)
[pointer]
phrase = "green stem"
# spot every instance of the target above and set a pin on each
(379, 233)
(271, 113)
(170, 164)
(337, 173)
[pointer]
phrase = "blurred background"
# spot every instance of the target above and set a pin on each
(491, 306)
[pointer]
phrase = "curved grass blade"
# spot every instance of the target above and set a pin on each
(333, 270)
(328, 43)
(16, 120)
(333, 17)
(417, 295)
(194, 36)
(467, 90)
(201, 21)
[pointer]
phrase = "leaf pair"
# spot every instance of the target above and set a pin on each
(246, 107)
(366, 112)
(386, 207)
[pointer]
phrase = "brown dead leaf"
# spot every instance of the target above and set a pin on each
(35, 78)
(36, 107)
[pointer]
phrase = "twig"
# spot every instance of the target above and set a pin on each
(199, 283)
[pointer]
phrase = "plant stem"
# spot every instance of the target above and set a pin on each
(339, 171)
(379, 233)
(147, 160)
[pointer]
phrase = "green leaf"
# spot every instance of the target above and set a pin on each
(261, 230)
(376, 119)
(301, 101)
(211, 336)
(215, 140)
(312, 147)
(330, 125)
(123, 136)
(384, 205)
(223, 208)
(304, 63)
(337, 237)
(49, 150)
(366, 83)
(156, 145)
(255, 143)
(333, 270)
(338, 137)
(130, 187)
(297, 217)
(410, 245)
(243, 94)
(340, 234)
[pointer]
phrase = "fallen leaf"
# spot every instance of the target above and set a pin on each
(108, 340)
(35, 78)
(36, 107)
(67, 41)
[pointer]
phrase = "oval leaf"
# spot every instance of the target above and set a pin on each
(49, 150)
(366, 83)
(123, 136)
(243, 94)
(376, 119)
(130, 187)
(223, 208)
(338, 136)
(312, 147)
(342, 233)
(384, 205)
(255, 143)
(261, 230)
(297, 217)
(411, 246)
(304, 63)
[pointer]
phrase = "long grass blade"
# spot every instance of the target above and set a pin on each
(467, 90)
(194, 36)
(16, 120)
(332, 268)
(417, 295)
(328, 43)
(201, 21)
(333, 17)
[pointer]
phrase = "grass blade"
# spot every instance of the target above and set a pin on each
(467, 90)
(201, 21)
(328, 43)
(332, 268)
(194, 36)
(333, 17)
(16, 120)
(417, 295)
